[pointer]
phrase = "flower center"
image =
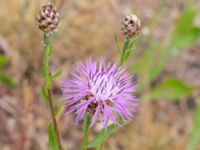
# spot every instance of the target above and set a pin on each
(94, 104)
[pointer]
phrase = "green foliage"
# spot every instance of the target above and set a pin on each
(5, 79)
(150, 65)
(60, 105)
(103, 135)
(171, 89)
(195, 137)
(129, 45)
(57, 73)
(185, 32)
(3, 61)
(43, 92)
(53, 145)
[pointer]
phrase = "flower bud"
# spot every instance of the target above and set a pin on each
(48, 18)
(131, 26)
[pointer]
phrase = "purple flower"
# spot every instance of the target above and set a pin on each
(105, 91)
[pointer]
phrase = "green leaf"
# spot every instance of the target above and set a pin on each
(132, 43)
(195, 137)
(127, 50)
(127, 54)
(171, 89)
(7, 81)
(185, 32)
(126, 45)
(150, 65)
(49, 49)
(3, 60)
(43, 92)
(53, 145)
(57, 73)
(60, 105)
(103, 135)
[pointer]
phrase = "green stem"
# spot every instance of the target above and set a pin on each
(48, 88)
(86, 133)
(122, 60)
(45, 57)
(50, 101)
(129, 46)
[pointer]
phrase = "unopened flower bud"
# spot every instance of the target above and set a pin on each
(131, 26)
(48, 18)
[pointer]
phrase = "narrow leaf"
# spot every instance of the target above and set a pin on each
(127, 54)
(53, 145)
(132, 43)
(127, 50)
(126, 45)
(59, 108)
(103, 135)
(185, 32)
(171, 89)
(43, 92)
(195, 137)
(57, 73)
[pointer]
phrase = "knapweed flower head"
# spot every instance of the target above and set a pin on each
(48, 18)
(101, 91)
(131, 26)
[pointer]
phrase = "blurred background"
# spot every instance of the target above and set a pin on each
(166, 65)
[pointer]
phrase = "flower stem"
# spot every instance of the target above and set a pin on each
(129, 46)
(86, 133)
(48, 88)
(122, 59)
(50, 101)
